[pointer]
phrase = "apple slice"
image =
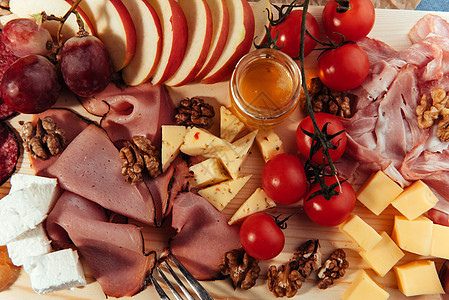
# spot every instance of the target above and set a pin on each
(240, 37)
(199, 25)
(220, 20)
(27, 8)
(261, 9)
(174, 43)
(148, 45)
(114, 27)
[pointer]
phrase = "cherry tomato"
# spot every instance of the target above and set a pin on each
(261, 237)
(290, 33)
(343, 68)
(304, 142)
(284, 179)
(334, 211)
(354, 24)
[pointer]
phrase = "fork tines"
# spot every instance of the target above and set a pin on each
(194, 284)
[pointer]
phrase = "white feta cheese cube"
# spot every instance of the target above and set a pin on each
(45, 190)
(55, 271)
(30, 243)
(19, 212)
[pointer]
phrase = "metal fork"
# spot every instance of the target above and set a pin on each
(194, 284)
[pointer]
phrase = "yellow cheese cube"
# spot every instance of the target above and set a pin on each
(415, 200)
(258, 201)
(198, 141)
(378, 192)
(269, 144)
(418, 278)
(207, 172)
(364, 288)
(360, 232)
(413, 236)
(383, 256)
(172, 139)
(440, 241)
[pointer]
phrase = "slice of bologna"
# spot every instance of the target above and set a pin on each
(9, 152)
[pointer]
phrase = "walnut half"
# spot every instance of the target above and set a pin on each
(241, 268)
(286, 280)
(44, 140)
(138, 157)
(333, 268)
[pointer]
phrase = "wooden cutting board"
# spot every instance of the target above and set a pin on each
(392, 27)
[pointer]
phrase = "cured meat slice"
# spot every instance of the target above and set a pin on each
(6, 59)
(429, 24)
(136, 110)
(72, 124)
(9, 152)
(114, 252)
(90, 166)
(203, 237)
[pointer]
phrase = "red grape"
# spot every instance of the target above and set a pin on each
(31, 85)
(85, 65)
(24, 37)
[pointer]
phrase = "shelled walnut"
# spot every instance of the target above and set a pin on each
(333, 268)
(44, 140)
(241, 268)
(326, 100)
(286, 280)
(194, 112)
(430, 110)
(139, 156)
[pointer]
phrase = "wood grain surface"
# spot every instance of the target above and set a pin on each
(392, 27)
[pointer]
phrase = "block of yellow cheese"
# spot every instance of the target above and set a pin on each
(418, 278)
(383, 256)
(207, 172)
(364, 288)
(378, 192)
(360, 232)
(440, 241)
(415, 200)
(413, 236)
(269, 144)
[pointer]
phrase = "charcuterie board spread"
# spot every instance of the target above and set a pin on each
(391, 27)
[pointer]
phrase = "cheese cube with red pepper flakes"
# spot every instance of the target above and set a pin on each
(198, 141)
(230, 125)
(378, 192)
(258, 201)
(269, 144)
(207, 172)
(221, 194)
(172, 139)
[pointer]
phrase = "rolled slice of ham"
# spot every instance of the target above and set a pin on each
(69, 121)
(203, 237)
(90, 166)
(114, 252)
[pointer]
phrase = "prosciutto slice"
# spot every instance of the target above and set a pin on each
(72, 124)
(203, 237)
(90, 166)
(114, 252)
(429, 24)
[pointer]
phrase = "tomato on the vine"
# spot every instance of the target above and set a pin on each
(261, 237)
(290, 33)
(334, 211)
(304, 142)
(284, 179)
(354, 23)
(343, 68)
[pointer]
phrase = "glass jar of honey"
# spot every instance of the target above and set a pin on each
(265, 87)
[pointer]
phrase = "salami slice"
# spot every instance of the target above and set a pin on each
(6, 59)
(9, 152)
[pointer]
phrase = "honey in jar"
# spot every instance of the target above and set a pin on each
(265, 87)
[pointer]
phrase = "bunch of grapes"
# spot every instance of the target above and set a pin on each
(33, 83)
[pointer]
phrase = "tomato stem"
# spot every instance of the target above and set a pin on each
(281, 14)
(343, 6)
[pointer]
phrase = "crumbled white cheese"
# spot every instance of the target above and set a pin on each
(55, 271)
(31, 243)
